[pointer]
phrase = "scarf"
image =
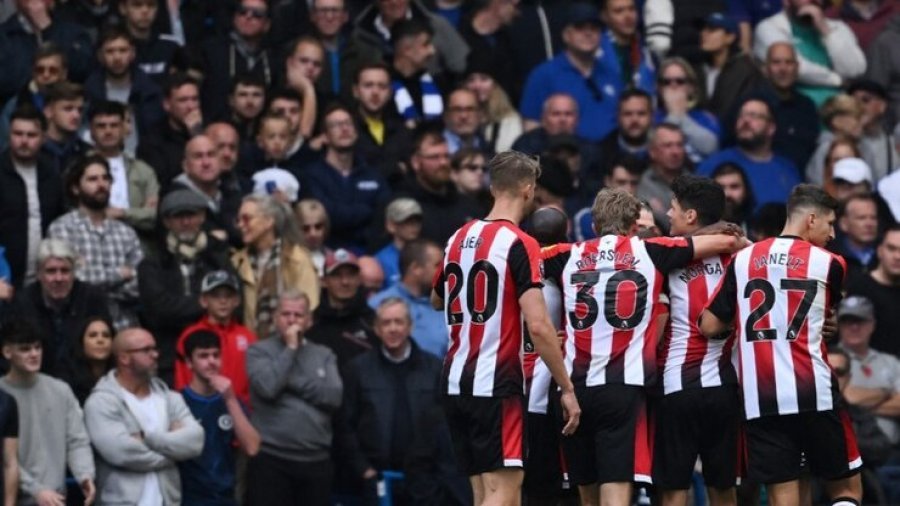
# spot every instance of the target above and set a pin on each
(432, 103)
(268, 288)
(185, 253)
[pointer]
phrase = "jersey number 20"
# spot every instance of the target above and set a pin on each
(483, 271)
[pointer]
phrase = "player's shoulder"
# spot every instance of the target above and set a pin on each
(666, 242)
(555, 249)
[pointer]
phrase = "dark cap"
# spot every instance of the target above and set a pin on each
(723, 21)
(215, 279)
(339, 258)
(857, 307)
(180, 201)
(580, 13)
(869, 86)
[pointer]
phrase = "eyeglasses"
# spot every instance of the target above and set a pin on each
(253, 12)
(146, 349)
(313, 226)
(669, 81)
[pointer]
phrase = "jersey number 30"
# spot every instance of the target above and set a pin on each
(585, 281)
(809, 287)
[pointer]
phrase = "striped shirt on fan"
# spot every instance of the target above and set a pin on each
(687, 359)
(487, 266)
(778, 293)
(611, 287)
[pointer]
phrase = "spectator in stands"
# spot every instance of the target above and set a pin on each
(343, 321)
(467, 171)
(444, 208)
(134, 194)
(622, 52)
(163, 146)
(858, 234)
(294, 464)
(576, 71)
(771, 177)
(668, 160)
(626, 173)
(92, 357)
(728, 72)
(170, 281)
(139, 428)
(158, 55)
(829, 54)
(679, 98)
(867, 18)
(215, 404)
(312, 218)
(387, 391)
(882, 286)
(852, 177)
(58, 304)
(419, 259)
(49, 67)
(9, 421)
(461, 121)
(873, 101)
(300, 110)
(109, 250)
(203, 176)
(303, 63)
(270, 262)
(403, 222)
(63, 104)
(246, 102)
(344, 54)
(375, 27)
(120, 79)
(486, 31)
(685, 23)
(52, 435)
(23, 34)
(350, 191)
(92, 15)
(383, 139)
(371, 276)
(841, 148)
(739, 202)
(227, 142)
(883, 65)
(244, 51)
(418, 93)
(274, 139)
(220, 296)
(501, 123)
(31, 194)
(842, 116)
(634, 118)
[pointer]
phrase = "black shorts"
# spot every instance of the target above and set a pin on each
(612, 443)
(698, 422)
(777, 446)
(488, 433)
(545, 473)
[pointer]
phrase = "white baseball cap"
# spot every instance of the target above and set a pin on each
(852, 170)
(273, 178)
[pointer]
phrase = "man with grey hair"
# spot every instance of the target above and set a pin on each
(295, 389)
(667, 161)
(58, 304)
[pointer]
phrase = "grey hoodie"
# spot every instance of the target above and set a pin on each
(123, 460)
(884, 66)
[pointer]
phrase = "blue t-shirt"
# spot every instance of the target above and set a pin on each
(208, 480)
(770, 181)
(389, 258)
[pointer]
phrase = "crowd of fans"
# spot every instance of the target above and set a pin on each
(220, 219)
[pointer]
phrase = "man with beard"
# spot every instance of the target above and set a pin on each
(170, 281)
(771, 176)
(634, 118)
(119, 79)
(417, 93)
(109, 249)
(350, 191)
(461, 121)
(139, 428)
(738, 198)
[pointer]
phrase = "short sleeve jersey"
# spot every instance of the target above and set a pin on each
(211, 476)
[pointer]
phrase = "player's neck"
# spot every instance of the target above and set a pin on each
(506, 209)
(795, 231)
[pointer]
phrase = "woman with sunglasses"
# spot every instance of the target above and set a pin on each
(678, 99)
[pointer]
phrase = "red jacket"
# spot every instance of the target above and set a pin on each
(235, 338)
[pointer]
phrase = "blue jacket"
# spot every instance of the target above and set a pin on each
(644, 76)
(429, 329)
(771, 181)
(145, 100)
(351, 201)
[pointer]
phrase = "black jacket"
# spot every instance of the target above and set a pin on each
(166, 307)
(389, 156)
(92, 18)
(158, 56)
(14, 210)
(443, 213)
(162, 148)
(200, 19)
(145, 99)
(371, 402)
(347, 331)
(59, 331)
(221, 61)
(738, 77)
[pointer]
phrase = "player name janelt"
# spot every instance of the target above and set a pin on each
(790, 261)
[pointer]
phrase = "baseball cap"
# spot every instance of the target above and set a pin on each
(179, 201)
(852, 170)
(215, 279)
(723, 21)
(581, 13)
(402, 209)
(339, 258)
(857, 307)
(268, 180)
(869, 86)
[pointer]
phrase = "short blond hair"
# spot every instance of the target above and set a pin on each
(839, 105)
(510, 170)
(615, 211)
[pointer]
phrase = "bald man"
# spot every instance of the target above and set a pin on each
(549, 226)
(371, 274)
(140, 428)
(203, 173)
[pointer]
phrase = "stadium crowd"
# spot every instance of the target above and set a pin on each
(220, 220)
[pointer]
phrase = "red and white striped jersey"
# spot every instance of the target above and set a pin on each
(611, 286)
(539, 379)
(777, 292)
(687, 359)
(487, 266)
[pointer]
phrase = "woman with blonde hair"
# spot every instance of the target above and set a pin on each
(678, 104)
(841, 147)
(271, 262)
(501, 122)
(842, 117)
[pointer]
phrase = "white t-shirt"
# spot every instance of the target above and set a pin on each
(151, 414)
(118, 193)
(29, 176)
